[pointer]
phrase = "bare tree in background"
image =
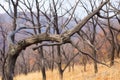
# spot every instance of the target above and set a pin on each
(59, 38)
(3, 49)
(112, 38)
(34, 19)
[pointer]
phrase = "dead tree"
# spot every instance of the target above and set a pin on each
(16, 48)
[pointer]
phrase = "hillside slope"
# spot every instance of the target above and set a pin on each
(104, 73)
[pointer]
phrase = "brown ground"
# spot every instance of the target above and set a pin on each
(104, 73)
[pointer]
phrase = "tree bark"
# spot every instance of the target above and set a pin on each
(84, 59)
(42, 63)
(95, 63)
(112, 56)
(59, 63)
(10, 64)
(52, 62)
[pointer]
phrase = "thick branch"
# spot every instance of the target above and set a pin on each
(11, 35)
(38, 38)
(84, 21)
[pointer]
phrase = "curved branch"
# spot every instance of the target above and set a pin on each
(21, 45)
(63, 38)
(104, 17)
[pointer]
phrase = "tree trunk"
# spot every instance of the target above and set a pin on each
(42, 63)
(112, 56)
(59, 63)
(95, 63)
(9, 67)
(118, 52)
(52, 62)
(43, 72)
(84, 62)
(3, 65)
(60, 72)
(73, 65)
(61, 75)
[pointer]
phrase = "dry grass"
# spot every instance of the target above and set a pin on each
(104, 73)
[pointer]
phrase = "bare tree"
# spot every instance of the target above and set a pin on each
(60, 38)
(3, 49)
(111, 14)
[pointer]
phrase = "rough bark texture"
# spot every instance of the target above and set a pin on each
(15, 49)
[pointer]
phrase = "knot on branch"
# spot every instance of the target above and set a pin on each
(22, 44)
(65, 39)
(66, 36)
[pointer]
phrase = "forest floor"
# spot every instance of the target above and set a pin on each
(104, 73)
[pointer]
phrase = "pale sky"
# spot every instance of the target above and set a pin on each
(65, 5)
(79, 11)
(5, 5)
